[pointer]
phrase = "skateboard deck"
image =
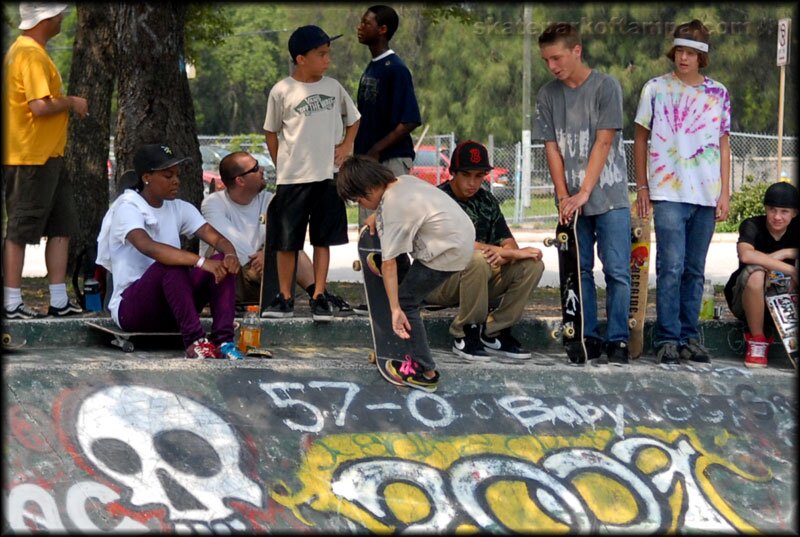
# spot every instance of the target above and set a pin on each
(10, 343)
(569, 276)
(640, 270)
(386, 344)
(782, 306)
(269, 279)
(122, 339)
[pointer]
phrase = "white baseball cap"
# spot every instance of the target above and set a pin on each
(32, 13)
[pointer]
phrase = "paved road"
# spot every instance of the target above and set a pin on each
(720, 262)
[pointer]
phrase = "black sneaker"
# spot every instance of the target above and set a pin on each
(504, 344)
(594, 350)
(694, 351)
(279, 308)
(70, 309)
(321, 310)
(470, 347)
(617, 352)
(668, 354)
(339, 303)
(22, 312)
(362, 310)
(410, 372)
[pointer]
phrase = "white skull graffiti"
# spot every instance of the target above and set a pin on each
(168, 450)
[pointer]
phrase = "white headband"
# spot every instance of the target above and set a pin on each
(680, 42)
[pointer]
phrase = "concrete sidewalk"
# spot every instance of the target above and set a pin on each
(721, 260)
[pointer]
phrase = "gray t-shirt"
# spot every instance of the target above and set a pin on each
(571, 117)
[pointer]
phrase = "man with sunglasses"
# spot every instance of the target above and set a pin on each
(239, 213)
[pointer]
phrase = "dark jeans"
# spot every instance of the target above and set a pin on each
(415, 286)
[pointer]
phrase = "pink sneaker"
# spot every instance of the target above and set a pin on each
(202, 348)
(757, 348)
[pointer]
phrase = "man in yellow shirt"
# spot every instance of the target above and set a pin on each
(38, 197)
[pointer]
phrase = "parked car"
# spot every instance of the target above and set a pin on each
(212, 155)
(433, 166)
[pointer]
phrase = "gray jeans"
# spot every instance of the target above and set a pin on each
(415, 286)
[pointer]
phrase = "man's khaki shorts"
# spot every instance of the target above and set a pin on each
(38, 202)
(737, 308)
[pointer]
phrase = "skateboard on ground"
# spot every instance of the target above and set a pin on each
(386, 344)
(122, 339)
(269, 279)
(782, 306)
(10, 343)
(569, 276)
(640, 270)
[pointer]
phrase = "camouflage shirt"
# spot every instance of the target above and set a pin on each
(484, 211)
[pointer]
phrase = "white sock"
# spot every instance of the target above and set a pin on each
(12, 297)
(58, 295)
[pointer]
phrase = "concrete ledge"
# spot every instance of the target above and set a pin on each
(722, 338)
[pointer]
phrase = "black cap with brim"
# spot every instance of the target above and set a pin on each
(782, 195)
(155, 157)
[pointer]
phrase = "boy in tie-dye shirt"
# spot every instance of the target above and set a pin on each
(686, 116)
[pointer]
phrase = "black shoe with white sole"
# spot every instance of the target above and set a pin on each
(470, 347)
(504, 344)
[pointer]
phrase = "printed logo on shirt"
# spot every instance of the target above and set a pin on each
(368, 89)
(315, 103)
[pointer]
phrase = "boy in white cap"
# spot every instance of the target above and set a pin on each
(687, 117)
(38, 197)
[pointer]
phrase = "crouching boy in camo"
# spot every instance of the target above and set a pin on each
(411, 216)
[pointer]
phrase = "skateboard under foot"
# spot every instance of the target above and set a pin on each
(782, 305)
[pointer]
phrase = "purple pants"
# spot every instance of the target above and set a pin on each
(167, 298)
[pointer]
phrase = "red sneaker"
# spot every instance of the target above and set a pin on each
(757, 348)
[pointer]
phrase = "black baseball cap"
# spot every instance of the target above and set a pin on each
(781, 194)
(306, 38)
(154, 157)
(470, 155)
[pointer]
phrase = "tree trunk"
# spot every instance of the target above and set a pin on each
(86, 158)
(155, 104)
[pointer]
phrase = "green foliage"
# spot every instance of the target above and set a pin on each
(749, 201)
(246, 142)
(206, 26)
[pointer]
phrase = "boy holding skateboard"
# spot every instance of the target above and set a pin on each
(499, 268)
(411, 216)
(689, 165)
(239, 213)
(579, 118)
(317, 122)
(766, 243)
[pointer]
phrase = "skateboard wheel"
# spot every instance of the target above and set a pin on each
(562, 237)
(569, 331)
(637, 232)
(632, 323)
(6, 339)
(555, 333)
(127, 346)
(357, 265)
(549, 241)
(372, 357)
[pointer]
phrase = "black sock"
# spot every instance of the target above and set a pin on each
(310, 290)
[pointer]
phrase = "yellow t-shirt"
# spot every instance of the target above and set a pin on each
(30, 74)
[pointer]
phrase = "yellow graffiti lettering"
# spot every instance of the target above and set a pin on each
(512, 503)
(408, 503)
(652, 460)
(609, 499)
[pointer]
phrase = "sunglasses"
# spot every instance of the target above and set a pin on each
(254, 169)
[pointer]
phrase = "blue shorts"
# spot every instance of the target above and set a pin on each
(315, 206)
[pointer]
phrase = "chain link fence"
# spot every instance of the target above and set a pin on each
(753, 158)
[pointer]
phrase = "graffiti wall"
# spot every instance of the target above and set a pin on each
(257, 450)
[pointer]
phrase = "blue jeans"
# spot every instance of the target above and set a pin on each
(683, 234)
(612, 232)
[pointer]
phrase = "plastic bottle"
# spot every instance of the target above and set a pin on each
(250, 330)
(707, 307)
(91, 292)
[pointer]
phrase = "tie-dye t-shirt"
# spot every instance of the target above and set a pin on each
(685, 123)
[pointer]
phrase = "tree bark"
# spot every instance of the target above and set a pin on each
(155, 104)
(86, 158)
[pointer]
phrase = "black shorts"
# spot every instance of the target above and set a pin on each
(38, 202)
(315, 206)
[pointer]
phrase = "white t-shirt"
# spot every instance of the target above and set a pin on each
(309, 119)
(685, 124)
(173, 219)
(243, 225)
(416, 217)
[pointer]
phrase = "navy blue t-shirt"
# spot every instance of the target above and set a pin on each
(385, 99)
